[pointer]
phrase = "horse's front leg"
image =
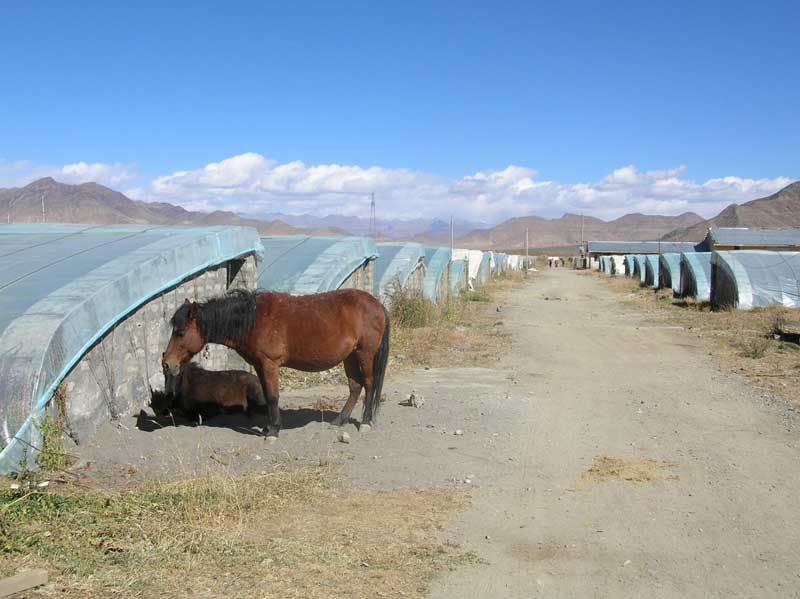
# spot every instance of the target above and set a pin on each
(268, 375)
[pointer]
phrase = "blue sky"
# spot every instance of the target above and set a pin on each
(440, 99)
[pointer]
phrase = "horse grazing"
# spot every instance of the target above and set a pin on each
(307, 332)
(196, 391)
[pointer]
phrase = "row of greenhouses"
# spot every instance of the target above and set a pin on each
(86, 309)
(742, 278)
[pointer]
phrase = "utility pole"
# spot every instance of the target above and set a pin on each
(372, 214)
(526, 248)
(452, 236)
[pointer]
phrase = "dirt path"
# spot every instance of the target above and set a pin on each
(607, 457)
(715, 514)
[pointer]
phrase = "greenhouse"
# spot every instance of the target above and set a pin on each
(669, 273)
(401, 266)
(473, 259)
(436, 285)
(755, 278)
(299, 264)
(484, 269)
(617, 265)
(696, 275)
(629, 264)
(86, 314)
(459, 275)
(639, 267)
(651, 270)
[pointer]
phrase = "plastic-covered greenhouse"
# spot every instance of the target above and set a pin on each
(474, 259)
(629, 264)
(400, 266)
(63, 288)
(651, 270)
(639, 267)
(459, 277)
(299, 264)
(696, 275)
(435, 287)
(669, 274)
(755, 278)
(484, 269)
(616, 264)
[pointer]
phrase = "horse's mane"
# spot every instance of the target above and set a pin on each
(231, 316)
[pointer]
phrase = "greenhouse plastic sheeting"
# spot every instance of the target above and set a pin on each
(62, 287)
(474, 259)
(437, 261)
(457, 268)
(670, 272)
(484, 268)
(299, 264)
(396, 263)
(651, 270)
(696, 275)
(754, 278)
(639, 267)
(629, 264)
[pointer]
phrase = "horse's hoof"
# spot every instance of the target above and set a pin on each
(271, 439)
(364, 428)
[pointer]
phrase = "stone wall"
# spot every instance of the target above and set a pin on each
(362, 278)
(115, 376)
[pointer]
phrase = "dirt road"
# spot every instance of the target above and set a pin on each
(605, 456)
(715, 514)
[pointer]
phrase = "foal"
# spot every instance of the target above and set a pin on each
(196, 391)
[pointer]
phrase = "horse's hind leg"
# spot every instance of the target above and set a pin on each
(356, 383)
(365, 362)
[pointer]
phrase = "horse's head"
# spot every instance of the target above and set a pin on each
(185, 342)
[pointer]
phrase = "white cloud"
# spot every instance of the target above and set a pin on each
(82, 172)
(251, 183)
(22, 172)
(254, 184)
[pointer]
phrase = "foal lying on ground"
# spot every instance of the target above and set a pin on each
(199, 392)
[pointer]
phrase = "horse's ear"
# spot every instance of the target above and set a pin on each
(192, 310)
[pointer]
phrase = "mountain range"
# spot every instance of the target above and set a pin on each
(780, 210)
(94, 203)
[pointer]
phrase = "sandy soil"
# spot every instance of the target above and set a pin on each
(607, 456)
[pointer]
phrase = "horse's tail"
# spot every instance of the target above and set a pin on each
(378, 372)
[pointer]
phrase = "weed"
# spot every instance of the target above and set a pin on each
(410, 310)
(477, 295)
(51, 456)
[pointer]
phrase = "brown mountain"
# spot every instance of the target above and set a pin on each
(96, 204)
(566, 231)
(780, 210)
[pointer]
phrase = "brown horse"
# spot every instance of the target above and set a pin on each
(308, 332)
(196, 391)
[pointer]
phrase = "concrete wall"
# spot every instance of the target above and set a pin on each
(115, 376)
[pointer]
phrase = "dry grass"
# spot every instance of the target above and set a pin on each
(642, 470)
(463, 332)
(742, 341)
(288, 532)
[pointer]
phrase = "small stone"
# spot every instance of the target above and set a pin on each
(626, 562)
(343, 437)
(256, 457)
(458, 432)
(364, 428)
(364, 564)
